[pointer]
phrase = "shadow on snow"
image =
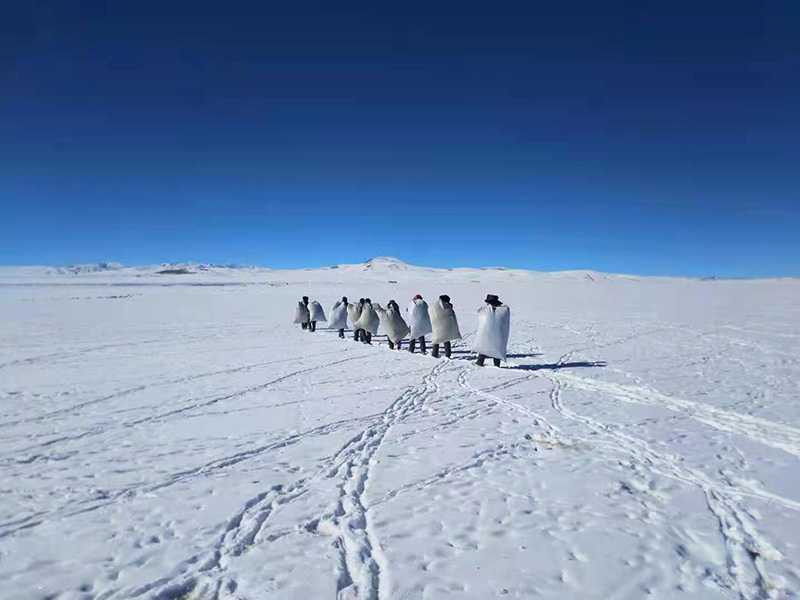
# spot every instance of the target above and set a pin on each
(557, 366)
(545, 367)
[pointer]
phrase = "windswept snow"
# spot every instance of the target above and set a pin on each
(175, 436)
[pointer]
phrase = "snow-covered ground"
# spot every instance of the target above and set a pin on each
(169, 435)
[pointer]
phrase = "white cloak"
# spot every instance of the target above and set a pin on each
(445, 324)
(368, 321)
(301, 313)
(494, 324)
(419, 320)
(317, 314)
(354, 312)
(338, 316)
(392, 323)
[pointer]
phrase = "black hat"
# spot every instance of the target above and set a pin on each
(361, 301)
(344, 299)
(444, 298)
(368, 301)
(492, 299)
(305, 297)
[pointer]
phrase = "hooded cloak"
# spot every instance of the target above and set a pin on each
(392, 322)
(338, 316)
(368, 321)
(301, 313)
(494, 323)
(419, 320)
(354, 312)
(317, 314)
(444, 322)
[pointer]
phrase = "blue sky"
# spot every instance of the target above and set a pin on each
(653, 138)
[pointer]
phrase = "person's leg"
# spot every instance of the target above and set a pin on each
(481, 358)
(355, 334)
(496, 362)
(369, 337)
(303, 325)
(448, 349)
(422, 344)
(391, 345)
(313, 325)
(399, 342)
(435, 351)
(411, 345)
(341, 333)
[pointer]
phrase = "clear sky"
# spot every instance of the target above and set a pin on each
(644, 137)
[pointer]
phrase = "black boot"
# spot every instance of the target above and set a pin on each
(480, 360)
(448, 349)
(435, 351)
(313, 325)
(422, 345)
(341, 333)
(355, 334)
(304, 325)
(496, 362)
(411, 345)
(391, 345)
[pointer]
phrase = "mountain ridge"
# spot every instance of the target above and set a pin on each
(384, 268)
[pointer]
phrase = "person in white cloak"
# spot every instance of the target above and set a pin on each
(420, 323)
(494, 323)
(354, 313)
(315, 314)
(339, 316)
(301, 313)
(445, 326)
(368, 322)
(392, 323)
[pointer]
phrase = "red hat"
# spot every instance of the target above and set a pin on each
(417, 297)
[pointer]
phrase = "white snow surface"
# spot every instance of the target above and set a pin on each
(176, 436)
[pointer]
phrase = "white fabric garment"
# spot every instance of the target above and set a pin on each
(317, 314)
(494, 323)
(301, 313)
(368, 321)
(392, 323)
(444, 322)
(418, 319)
(354, 313)
(338, 316)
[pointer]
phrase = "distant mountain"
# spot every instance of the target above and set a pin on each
(100, 267)
(386, 269)
(386, 263)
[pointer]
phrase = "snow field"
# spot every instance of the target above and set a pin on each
(190, 442)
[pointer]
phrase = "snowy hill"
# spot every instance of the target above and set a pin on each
(381, 268)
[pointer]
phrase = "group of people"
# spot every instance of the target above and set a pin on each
(438, 320)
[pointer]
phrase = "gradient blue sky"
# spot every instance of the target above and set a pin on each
(644, 137)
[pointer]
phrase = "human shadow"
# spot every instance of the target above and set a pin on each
(557, 366)
(518, 355)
